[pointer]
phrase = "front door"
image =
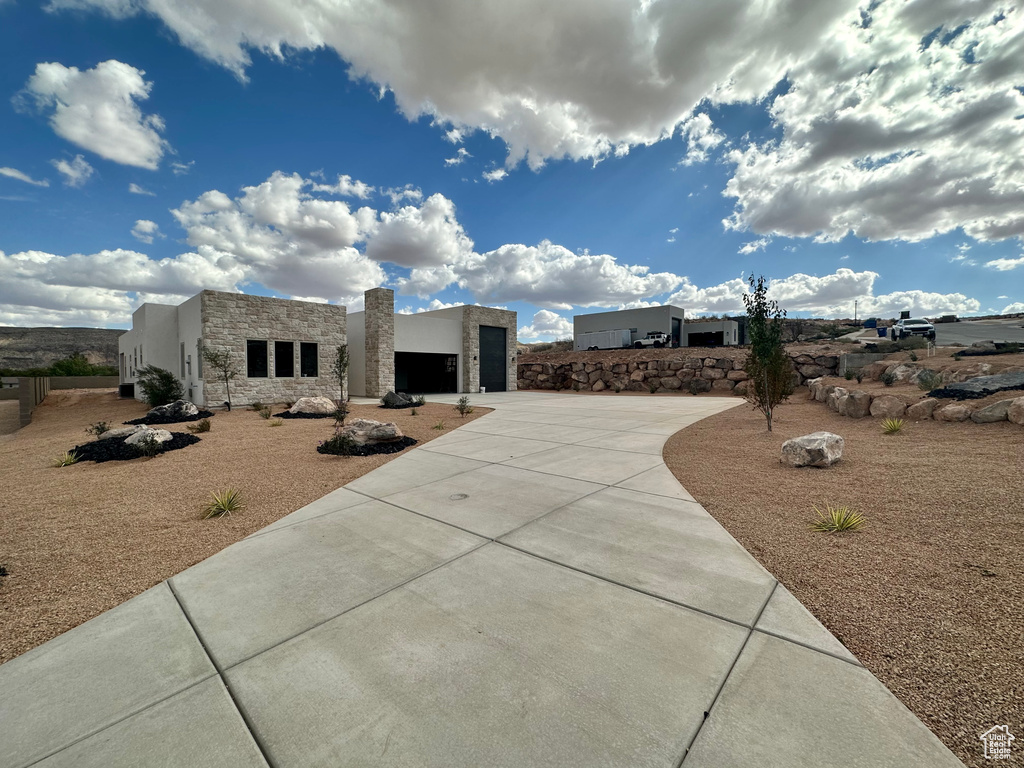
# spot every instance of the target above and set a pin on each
(492, 358)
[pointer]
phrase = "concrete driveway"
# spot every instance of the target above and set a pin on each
(531, 589)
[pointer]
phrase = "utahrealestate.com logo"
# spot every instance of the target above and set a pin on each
(997, 741)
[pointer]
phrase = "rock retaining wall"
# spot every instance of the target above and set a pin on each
(684, 374)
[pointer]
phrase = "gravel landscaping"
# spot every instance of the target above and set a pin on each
(928, 594)
(78, 540)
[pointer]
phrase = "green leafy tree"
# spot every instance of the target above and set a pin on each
(339, 369)
(769, 370)
(224, 363)
(159, 386)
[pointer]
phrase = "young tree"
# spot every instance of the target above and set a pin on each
(339, 369)
(769, 369)
(224, 364)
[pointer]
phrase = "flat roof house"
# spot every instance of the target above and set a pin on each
(639, 322)
(285, 348)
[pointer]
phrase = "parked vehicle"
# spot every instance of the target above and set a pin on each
(911, 326)
(617, 339)
(653, 339)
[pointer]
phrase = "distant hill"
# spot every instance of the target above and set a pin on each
(22, 348)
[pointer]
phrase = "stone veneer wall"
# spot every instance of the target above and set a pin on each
(230, 319)
(380, 341)
(472, 318)
(691, 374)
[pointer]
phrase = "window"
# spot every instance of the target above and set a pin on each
(183, 360)
(284, 359)
(308, 363)
(256, 359)
(199, 357)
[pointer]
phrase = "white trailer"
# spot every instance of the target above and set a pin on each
(617, 339)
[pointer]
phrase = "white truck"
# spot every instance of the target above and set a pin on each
(617, 339)
(653, 339)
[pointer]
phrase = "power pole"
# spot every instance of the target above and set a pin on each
(855, 310)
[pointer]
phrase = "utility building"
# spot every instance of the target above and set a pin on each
(639, 322)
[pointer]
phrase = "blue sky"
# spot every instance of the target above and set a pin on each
(552, 160)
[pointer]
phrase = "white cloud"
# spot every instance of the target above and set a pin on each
(1013, 309)
(701, 137)
(754, 245)
(438, 304)
(75, 171)
(546, 325)
(14, 173)
(135, 189)
(281, 236)
(828, 296)
(145, 231)
(408, 192)
(459, 158)
(96, 109)
(346, 187)
(429, 235)
(672, 235)
(1005, 265)
(496, 175)
(454, 135)
(898, 129)
(180, 169)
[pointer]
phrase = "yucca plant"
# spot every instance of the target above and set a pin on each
(892, 426)
(223, 503)
(836, 519)
(440, 426)
(66, 459)
(276, 422)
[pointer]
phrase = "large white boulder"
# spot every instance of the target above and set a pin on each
(370, 432)
(157, 435)
(121, 433)
(318, 405)
(179, 410)
(818, 449)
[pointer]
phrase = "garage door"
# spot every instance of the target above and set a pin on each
(492, 358)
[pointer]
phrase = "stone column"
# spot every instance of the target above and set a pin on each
(380, 341)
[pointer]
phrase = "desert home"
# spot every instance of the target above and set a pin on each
(285, 348)
(641, 321)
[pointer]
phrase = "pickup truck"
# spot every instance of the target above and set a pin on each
(912, 327)
(653, 339)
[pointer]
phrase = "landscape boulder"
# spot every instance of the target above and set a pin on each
(818, 449)
(952, 412)
(147, 433)
(992, 413)
(855, 404)
(179, 410)
(832, 398)
(902, 372)
(318, 405)
(401, 400)
(120, 433)
(370, 432)
(922, 409)
(888, 407)
(1015, 411)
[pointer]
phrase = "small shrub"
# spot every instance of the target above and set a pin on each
(888, 378)
(837, 519)
(148, 446)
(463, 407)
(340, 445)
(849, 375)
(256, 405)
(159, 386)
(892, 426)
(276, 422)
(928, 380)
(421, 400)
(912, 342)
(66, 459)
(913, 356)
(203, 425)
(958, 356)
(97, 429)
(440, 426)
(264, 412)
(858, 375)
(413, 412)
(223, 503)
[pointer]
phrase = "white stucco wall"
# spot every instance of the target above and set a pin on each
(190, 330)
(152, 340)
(357, 354)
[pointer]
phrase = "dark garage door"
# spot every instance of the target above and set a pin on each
(492, 358)
(426, 373)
